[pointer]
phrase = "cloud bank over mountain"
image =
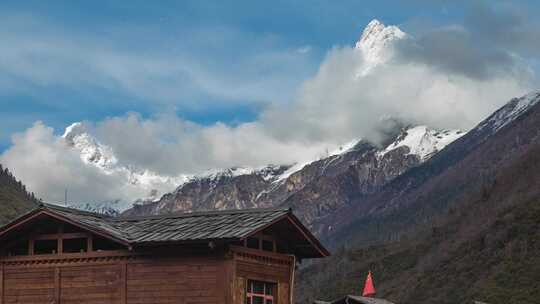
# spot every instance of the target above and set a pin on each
(439, 77)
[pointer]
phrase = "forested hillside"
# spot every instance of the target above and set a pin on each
(487, 248)
(451, 231)
(14, 198)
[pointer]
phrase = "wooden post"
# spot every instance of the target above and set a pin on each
(123, 282)
(31, 246)
(57, 285)
(60, 242)
(89, 243)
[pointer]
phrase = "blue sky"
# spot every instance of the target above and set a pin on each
(241, 56)
(209, 32)
(180, 87)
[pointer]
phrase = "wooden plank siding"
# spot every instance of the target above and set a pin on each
(29, 285)
(139, 280)
(186, 280)
(98, 284)
(263, 266)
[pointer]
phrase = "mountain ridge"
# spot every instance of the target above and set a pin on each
(467, 221)
(314, 189)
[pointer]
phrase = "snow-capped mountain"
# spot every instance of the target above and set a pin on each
(356, 167)
(423, 141)
(92, 152)
(107, 208)
(144, 184)
(312, 188)
(376, 45)
(510, 112)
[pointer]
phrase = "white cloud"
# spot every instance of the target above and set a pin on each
(329, 109)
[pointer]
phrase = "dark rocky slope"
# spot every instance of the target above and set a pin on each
(465, 225)
(314, 191)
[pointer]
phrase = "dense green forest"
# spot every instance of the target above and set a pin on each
(14, 198)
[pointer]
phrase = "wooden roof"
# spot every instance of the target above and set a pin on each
(180, 228)
(350, 299)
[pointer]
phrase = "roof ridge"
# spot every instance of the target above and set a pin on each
(199, 213)
(73, 210)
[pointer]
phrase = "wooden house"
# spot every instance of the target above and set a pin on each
(61, 255)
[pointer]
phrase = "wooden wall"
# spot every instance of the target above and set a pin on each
(128, 278)
(118, 280)
(28, 285)
(262, 266)
(188, 280)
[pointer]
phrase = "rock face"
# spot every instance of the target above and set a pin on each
(314, 190)
(419, 193)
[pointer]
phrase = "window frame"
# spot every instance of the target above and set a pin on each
(260, 238)
(268, 286)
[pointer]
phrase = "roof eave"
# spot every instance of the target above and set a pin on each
(298, 225)
(182, 242)
(50, 212)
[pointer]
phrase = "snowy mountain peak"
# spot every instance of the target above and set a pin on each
(376, 33)
(423, 141)
(509, 112)
(268, 173)
(73, 130)
(375, 44)
(91, 151)
(110, 209)
(376, 36)
(142, 184)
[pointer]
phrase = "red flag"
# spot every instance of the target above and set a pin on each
(369, 289)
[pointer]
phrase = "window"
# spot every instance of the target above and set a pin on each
(260, 292)
(103, 244)
(75, 245)
(268, 245)
(261, 242)
(19, 247)
(252, 243)
(45, 246)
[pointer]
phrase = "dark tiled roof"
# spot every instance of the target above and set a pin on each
(187, 227)
(356, 300)
(366, 300)
(194, 226)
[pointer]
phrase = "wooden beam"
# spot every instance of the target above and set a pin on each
(57, 285)
(48, 257)
(60, 243)
(307, 234)
(90, 243)
(261, 253)
(123, 282)
(65, 236)
(31, 246)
